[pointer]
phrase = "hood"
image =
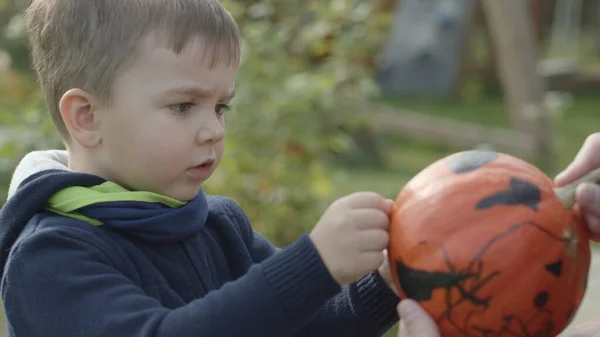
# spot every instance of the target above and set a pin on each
(42, 182)
(35, 162)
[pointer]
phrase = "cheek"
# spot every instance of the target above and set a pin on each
(219, 149)
(166, 149)
(154, 145)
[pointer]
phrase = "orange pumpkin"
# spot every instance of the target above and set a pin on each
(484, 243)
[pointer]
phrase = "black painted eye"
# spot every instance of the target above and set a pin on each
(541, 299)
(471, 160)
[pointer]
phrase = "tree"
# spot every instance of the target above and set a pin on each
(305, 74)
(306, 71)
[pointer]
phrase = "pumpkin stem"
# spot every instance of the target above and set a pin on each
(566, 194)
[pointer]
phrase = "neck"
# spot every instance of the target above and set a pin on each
(80, 160)
(86, 161)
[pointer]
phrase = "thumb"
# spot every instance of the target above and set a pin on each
(588, 196)
(416, 321)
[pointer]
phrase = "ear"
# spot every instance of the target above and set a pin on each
(78, 110)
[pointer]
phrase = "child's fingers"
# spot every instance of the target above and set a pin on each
(415, 321)
(366, 199)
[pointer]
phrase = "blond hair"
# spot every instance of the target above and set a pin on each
(85, 43)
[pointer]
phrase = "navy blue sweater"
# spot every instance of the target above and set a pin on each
(142, 269)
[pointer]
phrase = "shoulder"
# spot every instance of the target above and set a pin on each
(46, 223)
(222, 205)
(224, 209)
(52, 238)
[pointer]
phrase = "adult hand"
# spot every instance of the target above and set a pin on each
(591, 329)
(587, 194)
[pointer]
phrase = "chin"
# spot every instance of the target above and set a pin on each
(186, 194)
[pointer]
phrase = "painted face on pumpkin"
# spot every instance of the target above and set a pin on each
(480, 239)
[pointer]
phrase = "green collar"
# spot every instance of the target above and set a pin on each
(67, 201)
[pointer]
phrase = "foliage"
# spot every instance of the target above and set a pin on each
(305, 73)
(24, 124)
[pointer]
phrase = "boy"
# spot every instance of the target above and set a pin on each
(121, 240)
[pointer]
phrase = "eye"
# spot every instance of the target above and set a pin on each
(220, 109)
(181, 108)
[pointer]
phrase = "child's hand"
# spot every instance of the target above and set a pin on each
(352, 234)
(415, 322)
(384, 271)
(587, 195)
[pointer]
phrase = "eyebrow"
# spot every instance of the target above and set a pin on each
(197, 92)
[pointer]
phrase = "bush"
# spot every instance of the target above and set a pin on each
(306, 71)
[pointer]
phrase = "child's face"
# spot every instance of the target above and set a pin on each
(164, 130)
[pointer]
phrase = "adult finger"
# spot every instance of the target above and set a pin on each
(591, 329)
(585, 161)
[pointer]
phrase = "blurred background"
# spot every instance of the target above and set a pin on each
(346, 95)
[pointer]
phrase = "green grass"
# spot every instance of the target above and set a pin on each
(572, 128)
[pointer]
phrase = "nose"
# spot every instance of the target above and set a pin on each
(211, 131)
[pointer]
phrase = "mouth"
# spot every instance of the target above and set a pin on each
(206, 164)
(202, 171)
